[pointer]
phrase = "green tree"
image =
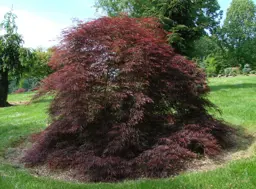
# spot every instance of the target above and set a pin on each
(205, 46)
(35, 68)
(37, 63)
(186, 20)
(10, 44)
(209, 55)
(238, 33)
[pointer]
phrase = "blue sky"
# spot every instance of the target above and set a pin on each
(41, 21)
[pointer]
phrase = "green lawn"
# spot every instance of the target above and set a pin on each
(19, 98)
(236, 97)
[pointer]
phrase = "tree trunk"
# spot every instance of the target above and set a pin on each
(3, 88)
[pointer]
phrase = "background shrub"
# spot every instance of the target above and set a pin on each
(246, 70)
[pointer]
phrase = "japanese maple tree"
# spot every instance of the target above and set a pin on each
(125, 104)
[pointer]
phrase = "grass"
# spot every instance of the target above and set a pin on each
(236, 97)
(17, 122)
(22, 97)
(240, 175)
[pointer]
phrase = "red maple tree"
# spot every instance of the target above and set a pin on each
(126, 105)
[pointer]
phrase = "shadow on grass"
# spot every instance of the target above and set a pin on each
(29, 102)
(42, 100)
(232, 86)
(242, 139)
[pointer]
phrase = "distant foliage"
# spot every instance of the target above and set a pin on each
(232, 71)
(29, 83)
(238, 33)
(253, 72)
(186, 20)
(247, 69)
(21, 90)
(35, 63)
(210, 65)
(39, 68)
(126, 105)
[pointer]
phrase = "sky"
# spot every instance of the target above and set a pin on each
(40, 22)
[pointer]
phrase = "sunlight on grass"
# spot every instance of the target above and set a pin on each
(20, 121)
(236, 98)
(22, 97)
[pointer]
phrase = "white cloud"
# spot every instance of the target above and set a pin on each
(37, 31)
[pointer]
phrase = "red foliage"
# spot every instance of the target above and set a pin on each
(126, 105)
(21, 90)
(35, 89)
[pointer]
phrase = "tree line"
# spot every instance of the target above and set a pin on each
(195, 30)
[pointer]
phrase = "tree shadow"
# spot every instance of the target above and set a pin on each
(29, 102)
(41, 101)
(232, 86)
(242, 139)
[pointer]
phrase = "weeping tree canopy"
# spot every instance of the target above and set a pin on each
(10, 63)
(126, 105)
(186, 20)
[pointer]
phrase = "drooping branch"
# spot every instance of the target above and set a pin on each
(126, 105)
